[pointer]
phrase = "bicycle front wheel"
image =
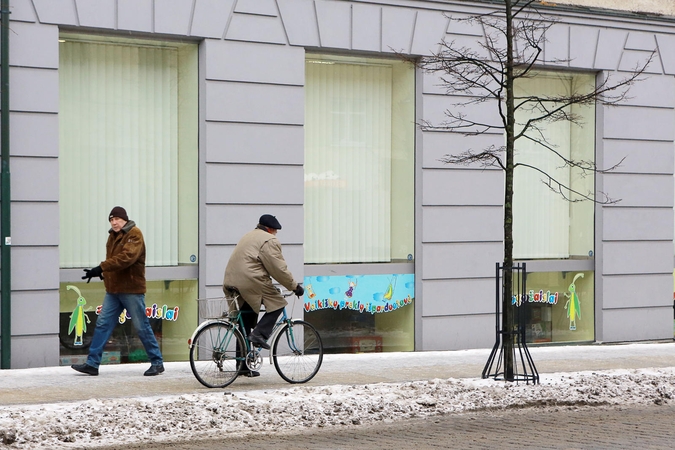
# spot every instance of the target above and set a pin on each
(216, 354)
(297, 352)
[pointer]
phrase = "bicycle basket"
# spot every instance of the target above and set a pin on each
(214, 308)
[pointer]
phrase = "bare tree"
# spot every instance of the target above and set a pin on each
(511, 48)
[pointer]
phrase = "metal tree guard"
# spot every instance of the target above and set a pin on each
(524, 368)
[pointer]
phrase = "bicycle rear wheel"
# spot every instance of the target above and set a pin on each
(297, 352)
(214, 358)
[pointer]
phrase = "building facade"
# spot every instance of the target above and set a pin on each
(198, 116)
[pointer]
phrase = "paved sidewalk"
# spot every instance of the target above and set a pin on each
(59, 384)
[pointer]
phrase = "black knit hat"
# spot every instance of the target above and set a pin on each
(269, 221)
(120, 212)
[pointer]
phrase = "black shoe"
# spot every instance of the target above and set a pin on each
(258, 340)
(248, 373)
(85, 368)
(154, 370)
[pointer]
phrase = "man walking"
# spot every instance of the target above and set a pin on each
(123, 273)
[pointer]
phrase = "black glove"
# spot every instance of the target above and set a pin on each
(299, 291)
(91, 273)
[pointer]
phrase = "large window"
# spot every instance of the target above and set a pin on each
(359, 202)
(545, 224)
(128, 136)
(128, 122)
(359, 160)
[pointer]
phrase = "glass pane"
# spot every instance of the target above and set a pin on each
(363, 313)
(170, 305)
(359, 141)
(559, 307)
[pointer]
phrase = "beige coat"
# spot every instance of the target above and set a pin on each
(255, 259)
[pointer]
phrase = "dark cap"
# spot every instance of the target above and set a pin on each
(120, 212)
(269, 221)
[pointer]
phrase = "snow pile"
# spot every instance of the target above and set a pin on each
(96, 422)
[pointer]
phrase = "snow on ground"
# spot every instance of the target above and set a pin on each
(96, 422)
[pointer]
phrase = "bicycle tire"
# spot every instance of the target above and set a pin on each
(213, 355)
(297, 352)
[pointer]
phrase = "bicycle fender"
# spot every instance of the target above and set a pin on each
(198, 329)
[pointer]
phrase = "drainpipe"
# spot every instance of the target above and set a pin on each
(5, 239)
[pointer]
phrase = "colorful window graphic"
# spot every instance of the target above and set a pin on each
(362, 313)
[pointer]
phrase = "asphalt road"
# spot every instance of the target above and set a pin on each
(531, 428)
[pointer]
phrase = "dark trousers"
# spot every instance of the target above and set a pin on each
(266, 324)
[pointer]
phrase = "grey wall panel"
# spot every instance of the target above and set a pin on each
(439, 144)
(366, 27)
(458, 332)
(462, 260)
(640, 40)
(60, 12)
(22, 10)
(237, 183)
(260, 7)
(639, 156)
(210, 17)
(257, 103)
(632, 60)
(630, 291)
(135, 15)
(33, 223)
(557, 45)
(430, 28)
(252, 143)
(96, 14)
(335, 22)
(299, 18)
(637, 324)
(435, 107)
(173, 16)
(643, 224)
(629, 122)
(458, 297)
(610, 48)
(457, 224)
(215, 263)
(35, 351)
(666, 42)
(639, 190)
(34, 89)
(26, 320)
(652, 91)
(637, 258)
(259, 63)
(24, 141)
(583, 46)
(463, 187)
(246, 27)
(228, 223)
(35, 179)
(29, 261)
(398, 25)
(34, 45)
(461, 24)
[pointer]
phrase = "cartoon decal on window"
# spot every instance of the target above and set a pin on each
(78, 319)
(573, 306)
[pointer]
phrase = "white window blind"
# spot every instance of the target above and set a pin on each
(541, 217)
(348, 116)
(118, 146)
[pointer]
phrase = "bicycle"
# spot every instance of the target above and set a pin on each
(220, 348)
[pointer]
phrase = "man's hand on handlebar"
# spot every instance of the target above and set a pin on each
(299, 290)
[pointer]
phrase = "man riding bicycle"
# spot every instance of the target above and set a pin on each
(257, 259)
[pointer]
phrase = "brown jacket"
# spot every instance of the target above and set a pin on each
(255, 259)
(124, 267)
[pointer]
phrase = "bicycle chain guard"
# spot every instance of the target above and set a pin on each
(254, 360)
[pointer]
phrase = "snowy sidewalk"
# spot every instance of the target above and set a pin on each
(59, 408)
(62, 384)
